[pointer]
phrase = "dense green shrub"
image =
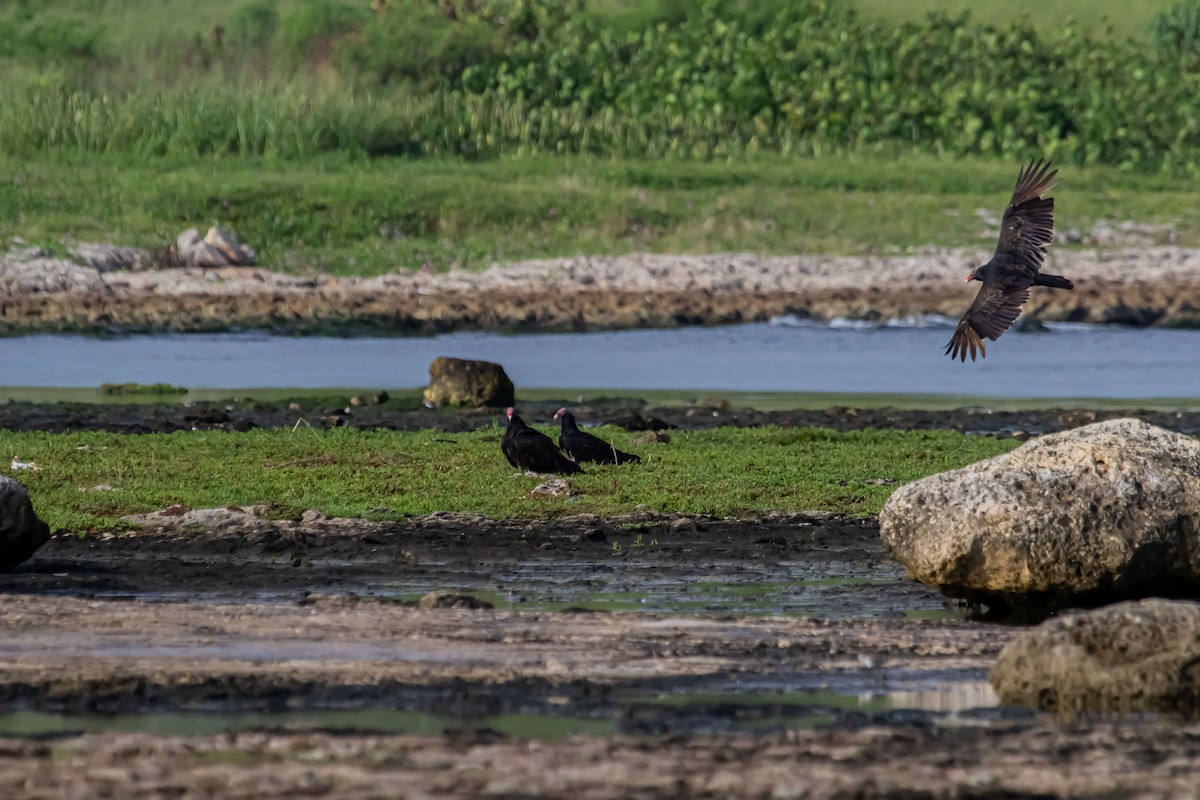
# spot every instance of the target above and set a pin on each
(254, 24)
(26, 36)
(703, 79)
(417, 44)
(1176, 31)
(315, 20)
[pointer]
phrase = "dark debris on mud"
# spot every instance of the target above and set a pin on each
(166, 418)
(263, 556)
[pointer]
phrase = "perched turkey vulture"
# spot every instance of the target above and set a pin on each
(1025, 231)
(532, 450)
(582, 446)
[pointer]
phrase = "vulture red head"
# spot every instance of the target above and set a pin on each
(508, 412)
(558, 414)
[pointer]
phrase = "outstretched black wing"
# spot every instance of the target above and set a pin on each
(1027, 227)
(996, 307)
(1026, 230)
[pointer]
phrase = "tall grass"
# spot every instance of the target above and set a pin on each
(700, 80)
(293, 124)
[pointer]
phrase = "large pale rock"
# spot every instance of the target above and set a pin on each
(217, 249)
(234, 252)
(21, 532)
(1104, 512)
(462, 382)
(1143, 654)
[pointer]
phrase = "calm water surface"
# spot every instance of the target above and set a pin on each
(783, 356)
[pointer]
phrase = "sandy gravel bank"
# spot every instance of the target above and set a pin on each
(1140, 286)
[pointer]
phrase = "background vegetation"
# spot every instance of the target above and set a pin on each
(360, 135)
(701, 79)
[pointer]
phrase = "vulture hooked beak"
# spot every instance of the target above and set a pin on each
(971, 276)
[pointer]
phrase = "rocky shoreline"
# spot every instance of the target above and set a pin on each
(106, 288)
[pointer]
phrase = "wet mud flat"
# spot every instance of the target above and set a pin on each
(641, 656)
(709, 602)
(138, 418)
(1024, 759)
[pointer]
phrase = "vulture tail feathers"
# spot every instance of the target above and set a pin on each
(1053, 281)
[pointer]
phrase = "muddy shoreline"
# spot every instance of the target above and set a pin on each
(275, 614)
(785, 655)
(38, 293)
(141, 418)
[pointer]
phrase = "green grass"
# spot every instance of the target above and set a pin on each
(352, 473)
(365, 218)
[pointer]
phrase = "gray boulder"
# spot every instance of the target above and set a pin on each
(463, 382)
(1105, 512)
(108, 257)
(1143, 654)
(21, 532)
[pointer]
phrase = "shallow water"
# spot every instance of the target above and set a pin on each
(719, 712)
(832, 591)
(781, 588)
(784, 356)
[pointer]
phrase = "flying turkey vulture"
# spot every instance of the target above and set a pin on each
(1025, 231)
(532, 450)
(582, 446)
